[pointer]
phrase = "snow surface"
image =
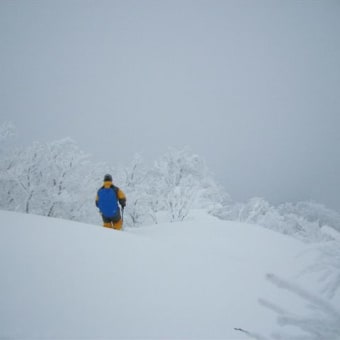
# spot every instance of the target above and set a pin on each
(197, 279)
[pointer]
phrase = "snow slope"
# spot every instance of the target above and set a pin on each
(191, 280)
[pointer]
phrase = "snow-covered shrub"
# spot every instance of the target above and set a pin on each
(304, 229)
(259, 211)
(312, 212)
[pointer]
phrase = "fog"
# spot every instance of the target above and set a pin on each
(253, 87)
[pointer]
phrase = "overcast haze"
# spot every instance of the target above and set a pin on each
(253, 87)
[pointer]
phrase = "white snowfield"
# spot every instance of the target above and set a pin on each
(198, 279)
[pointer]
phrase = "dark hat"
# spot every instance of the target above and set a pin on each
(107, 178)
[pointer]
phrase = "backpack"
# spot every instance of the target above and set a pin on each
(108, 201)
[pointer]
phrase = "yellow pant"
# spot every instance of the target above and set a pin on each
(114, 225)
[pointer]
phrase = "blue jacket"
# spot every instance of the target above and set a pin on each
(107, 199)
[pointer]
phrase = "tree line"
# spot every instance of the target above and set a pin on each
(58, 179)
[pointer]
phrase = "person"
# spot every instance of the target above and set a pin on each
(108, 197)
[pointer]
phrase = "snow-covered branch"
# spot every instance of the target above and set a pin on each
(321, 322)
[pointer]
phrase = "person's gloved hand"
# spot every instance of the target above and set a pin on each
(122, 203)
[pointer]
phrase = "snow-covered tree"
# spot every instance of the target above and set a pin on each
(46, 179)
(181, 181)
(7, 130)
(137, 189)
(23, 172)
(67, 167)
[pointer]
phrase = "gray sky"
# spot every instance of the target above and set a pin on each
(253, 87)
